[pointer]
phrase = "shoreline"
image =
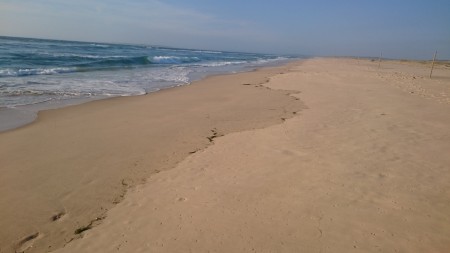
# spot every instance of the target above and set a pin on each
(88, 155)
(19, 116)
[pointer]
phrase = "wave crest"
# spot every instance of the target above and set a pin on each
(172, 59)
(36, 71)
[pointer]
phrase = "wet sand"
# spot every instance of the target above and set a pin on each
(62, 173)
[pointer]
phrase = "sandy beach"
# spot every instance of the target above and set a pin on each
(321, 155)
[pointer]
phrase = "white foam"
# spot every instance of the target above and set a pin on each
(38, 71)
(165, 59)
(172, 59)
(223, 63)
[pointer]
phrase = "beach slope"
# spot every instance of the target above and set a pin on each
(364, 169)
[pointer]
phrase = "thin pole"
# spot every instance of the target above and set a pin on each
(379, 59)
(432, 65)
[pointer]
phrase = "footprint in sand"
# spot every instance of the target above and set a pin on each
(27, 242)
(58, 216)
(182, 199)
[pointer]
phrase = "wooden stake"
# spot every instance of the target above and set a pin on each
(432, 65)
(379, 60)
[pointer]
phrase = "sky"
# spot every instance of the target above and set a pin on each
(407, 29)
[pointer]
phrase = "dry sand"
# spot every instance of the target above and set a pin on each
(365, 168)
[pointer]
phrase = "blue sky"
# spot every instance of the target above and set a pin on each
(411, 29)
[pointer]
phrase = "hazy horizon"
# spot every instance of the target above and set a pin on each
(399, 29)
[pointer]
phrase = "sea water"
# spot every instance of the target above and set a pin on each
(51, 72)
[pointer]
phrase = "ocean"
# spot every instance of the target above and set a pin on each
(52, 72)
